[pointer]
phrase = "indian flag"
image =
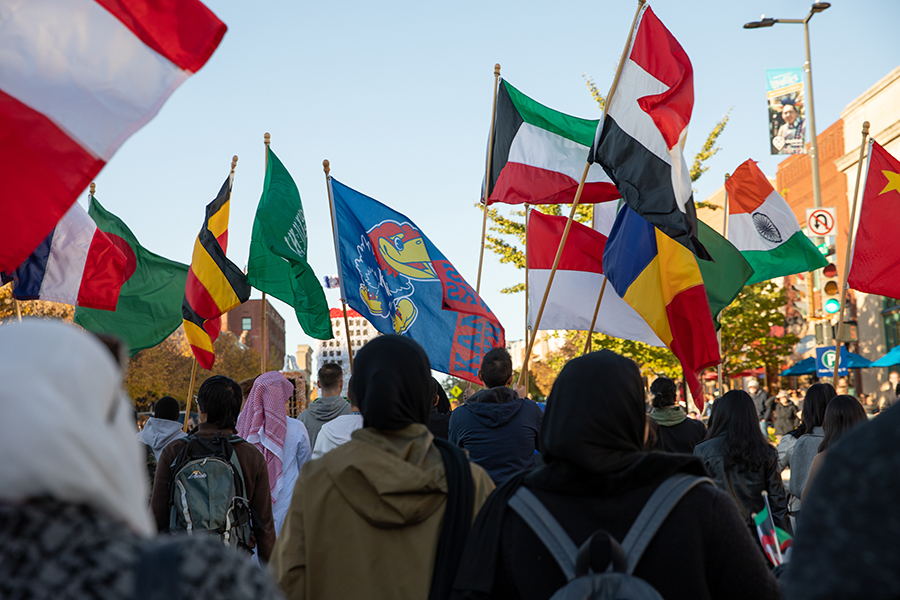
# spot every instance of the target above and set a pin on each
(539, 154)
(763, 227)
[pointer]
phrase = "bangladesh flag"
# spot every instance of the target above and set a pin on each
(539, 154)
(149, 307)
(277, 264)
(763, 227)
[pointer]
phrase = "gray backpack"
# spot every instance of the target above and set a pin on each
(207, 493)
(618, 582)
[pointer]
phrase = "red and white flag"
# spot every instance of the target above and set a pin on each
(875, 267)
(77, 78)
(578, 279)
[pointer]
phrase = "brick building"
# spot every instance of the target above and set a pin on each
(245, 321)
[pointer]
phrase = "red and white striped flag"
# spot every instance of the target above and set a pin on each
(77, 78)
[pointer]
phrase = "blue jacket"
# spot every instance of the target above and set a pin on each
(500, 431)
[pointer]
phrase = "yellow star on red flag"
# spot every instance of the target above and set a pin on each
(893, 182)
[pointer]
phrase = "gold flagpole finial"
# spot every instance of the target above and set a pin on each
(267, 138)
(93, 188)
(234, 160)
(326, 166)
(497, 69)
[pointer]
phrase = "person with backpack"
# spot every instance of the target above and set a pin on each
(239, 506)
(386, 515)
(593, 486)
(74, 523)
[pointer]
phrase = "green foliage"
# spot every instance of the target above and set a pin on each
(709, 148)
(31, 308)
(748, 330)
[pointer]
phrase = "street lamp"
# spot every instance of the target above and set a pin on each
(813, 143)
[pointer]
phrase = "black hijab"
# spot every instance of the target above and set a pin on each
(392, 383)
(595, 414)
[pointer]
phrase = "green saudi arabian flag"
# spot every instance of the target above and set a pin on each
(149, 307)
(277, 264)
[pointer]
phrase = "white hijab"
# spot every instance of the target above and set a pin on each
(67, 428)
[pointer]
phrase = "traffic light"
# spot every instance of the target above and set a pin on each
(831, 287)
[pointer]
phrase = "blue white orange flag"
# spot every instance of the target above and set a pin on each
(639, 141)
(397, 279)
(76, 264)
(77, 78)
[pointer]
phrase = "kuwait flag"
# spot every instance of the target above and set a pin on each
(76, 264)
(579, 277)
(539, 155)
(639, 142)
(77, 78)
(763, 227)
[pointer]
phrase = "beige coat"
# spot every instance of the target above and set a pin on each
(365, 519)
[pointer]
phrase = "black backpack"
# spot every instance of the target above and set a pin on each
(207, 493)
(618, 582)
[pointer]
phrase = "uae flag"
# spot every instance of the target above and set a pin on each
(577, 282)
(539, 154)
(763, 227)
(640, 138)
(875, 266)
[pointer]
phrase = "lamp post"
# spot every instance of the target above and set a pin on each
(813, 143)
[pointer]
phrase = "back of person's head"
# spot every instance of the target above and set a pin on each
(496, 367)
(817, 398)
(220, 398)
(246, 386)
(392, 383)
(67, 428)
(843, 413)
(595, 413)
(167, 408)
(441, 402)
(351, 395)
(737, 422)
(664, 392)
(330, 374)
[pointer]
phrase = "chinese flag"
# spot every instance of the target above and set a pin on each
(875, 266)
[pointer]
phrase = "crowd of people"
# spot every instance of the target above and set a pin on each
(388, 493)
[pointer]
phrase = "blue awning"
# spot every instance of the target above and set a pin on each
(890, 359)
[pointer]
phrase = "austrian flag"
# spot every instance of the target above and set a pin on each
(77, 78)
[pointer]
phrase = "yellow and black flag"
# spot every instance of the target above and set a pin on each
(215, 285)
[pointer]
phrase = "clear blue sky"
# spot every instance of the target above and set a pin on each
(398, 98)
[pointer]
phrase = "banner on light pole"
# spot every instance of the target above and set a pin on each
(787, 112)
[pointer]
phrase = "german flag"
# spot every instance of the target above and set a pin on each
(215, 285)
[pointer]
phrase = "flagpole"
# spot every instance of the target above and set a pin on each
(719, 377)
(326, 166)
(264, 342)
(590, 333)
(190, 396)
(527, 329)
(847, 256)
(559, 251)
(487, 174)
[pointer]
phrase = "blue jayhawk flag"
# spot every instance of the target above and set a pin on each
(395, 277)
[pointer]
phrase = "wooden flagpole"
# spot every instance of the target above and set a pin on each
(264, 341)
(590, 333)
(327, 168)
(719, 381)
(587, 166)
(190, 396)
(527, 328)
(847, 256)
(487, 174)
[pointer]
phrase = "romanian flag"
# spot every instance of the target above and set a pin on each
(215, 285)
(661, 280)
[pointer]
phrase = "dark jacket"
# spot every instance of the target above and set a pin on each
(256, 481)
(676, 437)
(785, 418)
(763, 404)
(499, 430)
(439, 424)
(745, 486)
(690, 557)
